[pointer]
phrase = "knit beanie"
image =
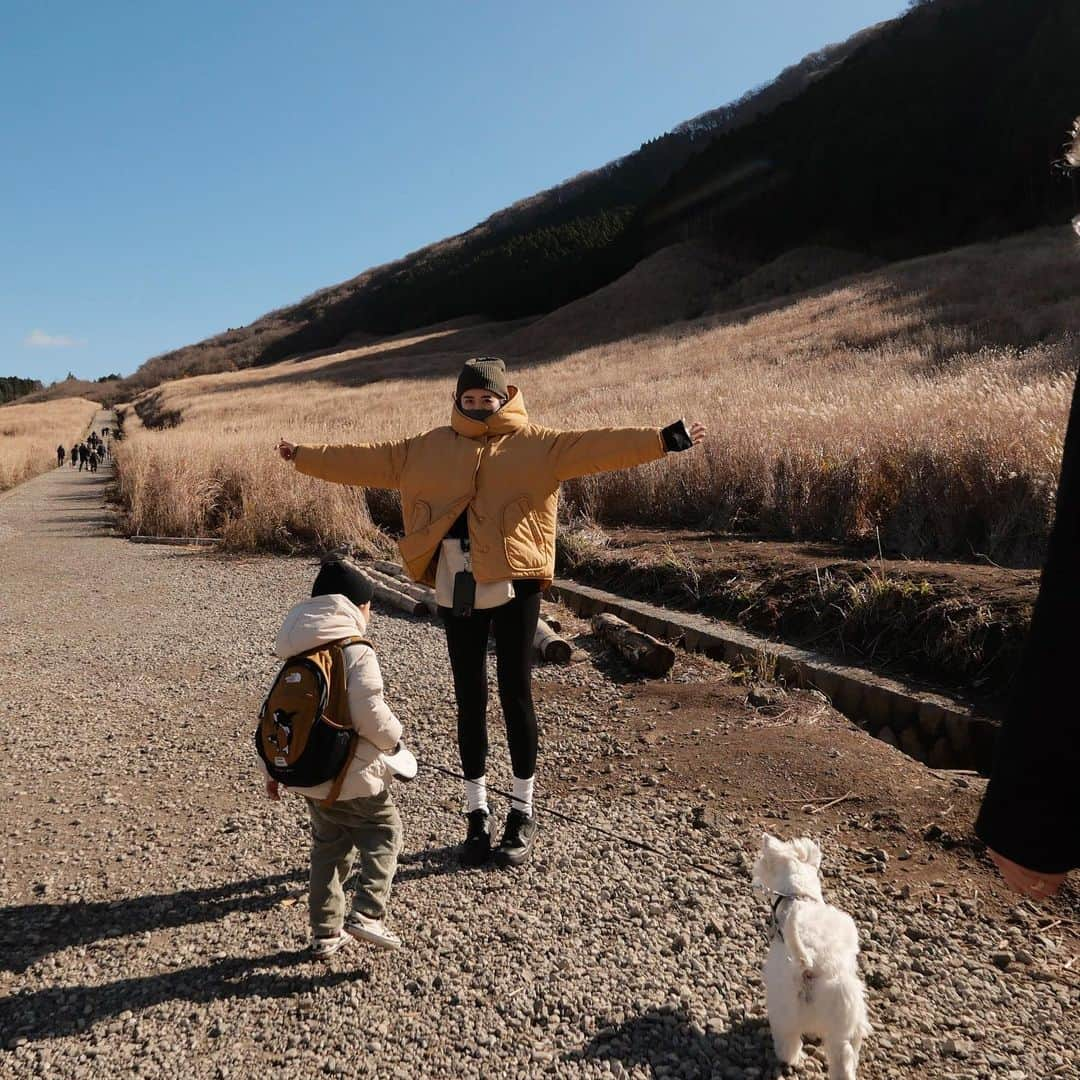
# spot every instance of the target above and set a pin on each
(338, 576)
(483, 373)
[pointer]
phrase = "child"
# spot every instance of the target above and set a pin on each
(363, 822)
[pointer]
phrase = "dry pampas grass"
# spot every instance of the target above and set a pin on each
(30, 434)
(925, 401)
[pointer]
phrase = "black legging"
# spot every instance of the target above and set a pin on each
(466, 639)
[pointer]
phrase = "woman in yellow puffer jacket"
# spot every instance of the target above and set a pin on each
(479, 502)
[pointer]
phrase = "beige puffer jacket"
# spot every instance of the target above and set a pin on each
(318, 621)
(506, 470)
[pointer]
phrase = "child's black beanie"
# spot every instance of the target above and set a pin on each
(338, 576)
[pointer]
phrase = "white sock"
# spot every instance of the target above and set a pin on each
(523, 795)
(476, 793)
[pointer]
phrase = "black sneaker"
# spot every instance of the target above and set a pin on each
(516, 844)
(477, 847)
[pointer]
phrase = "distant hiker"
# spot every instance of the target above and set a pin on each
(1031, 809)
(480, 498)
(82, 456)
(93, 460)
(346, 780)
(60, 451)
(74, 456)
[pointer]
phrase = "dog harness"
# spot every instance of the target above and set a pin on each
(775, 927)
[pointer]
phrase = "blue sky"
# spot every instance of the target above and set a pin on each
(171, 170)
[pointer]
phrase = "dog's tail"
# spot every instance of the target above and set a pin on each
(811, 963)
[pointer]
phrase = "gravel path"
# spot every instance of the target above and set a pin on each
(152, 903)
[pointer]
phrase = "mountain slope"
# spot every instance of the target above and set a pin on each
(530, 257)
(927, 132)
(941, 130)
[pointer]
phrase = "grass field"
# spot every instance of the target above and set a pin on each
(30, 434)
(924, 402)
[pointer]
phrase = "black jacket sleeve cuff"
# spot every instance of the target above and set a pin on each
(676, 437)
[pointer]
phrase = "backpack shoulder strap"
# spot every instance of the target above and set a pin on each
(339, 780)
(345, 642)
(338, 708)
(340, 643)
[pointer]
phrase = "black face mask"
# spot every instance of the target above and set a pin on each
(479, 414)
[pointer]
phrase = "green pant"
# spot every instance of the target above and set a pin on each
(369, 828)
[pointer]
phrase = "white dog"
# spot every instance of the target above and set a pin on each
(812, 986)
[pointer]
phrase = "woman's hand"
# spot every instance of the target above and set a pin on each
(1029, 882)
(286, 449)
(698, 431)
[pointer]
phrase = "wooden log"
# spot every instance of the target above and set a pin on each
(551, 647)
(425, 595)
(422, 593)
(385, 595)
(391, 569)
(640, 649)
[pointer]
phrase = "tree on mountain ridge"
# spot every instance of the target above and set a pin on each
(12, 388)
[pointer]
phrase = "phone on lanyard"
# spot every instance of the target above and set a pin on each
(464, 594)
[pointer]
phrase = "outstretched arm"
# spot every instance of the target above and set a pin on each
(362, 464)
(579, 453)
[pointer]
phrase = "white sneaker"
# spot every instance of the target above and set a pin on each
(323, 947)
(371, 930)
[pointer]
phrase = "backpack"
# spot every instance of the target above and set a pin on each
(305, 735)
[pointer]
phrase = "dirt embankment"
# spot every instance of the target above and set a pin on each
(954, 627)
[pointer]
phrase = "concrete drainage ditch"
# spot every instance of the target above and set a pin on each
(928, 727)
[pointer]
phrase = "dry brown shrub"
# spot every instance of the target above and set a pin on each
(926, 401)
(29, 435)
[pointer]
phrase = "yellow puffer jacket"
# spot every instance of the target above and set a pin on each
(506, 470)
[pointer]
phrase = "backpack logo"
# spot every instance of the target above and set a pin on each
(293, 677)
(281, 736)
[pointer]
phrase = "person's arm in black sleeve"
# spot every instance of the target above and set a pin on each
(1031, 810)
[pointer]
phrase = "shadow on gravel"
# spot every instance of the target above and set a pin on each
(29, 932)
(67, 1010)
(671, 1042)
(430, 863)
(98, 521)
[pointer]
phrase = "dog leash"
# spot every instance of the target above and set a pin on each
(630, 841)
